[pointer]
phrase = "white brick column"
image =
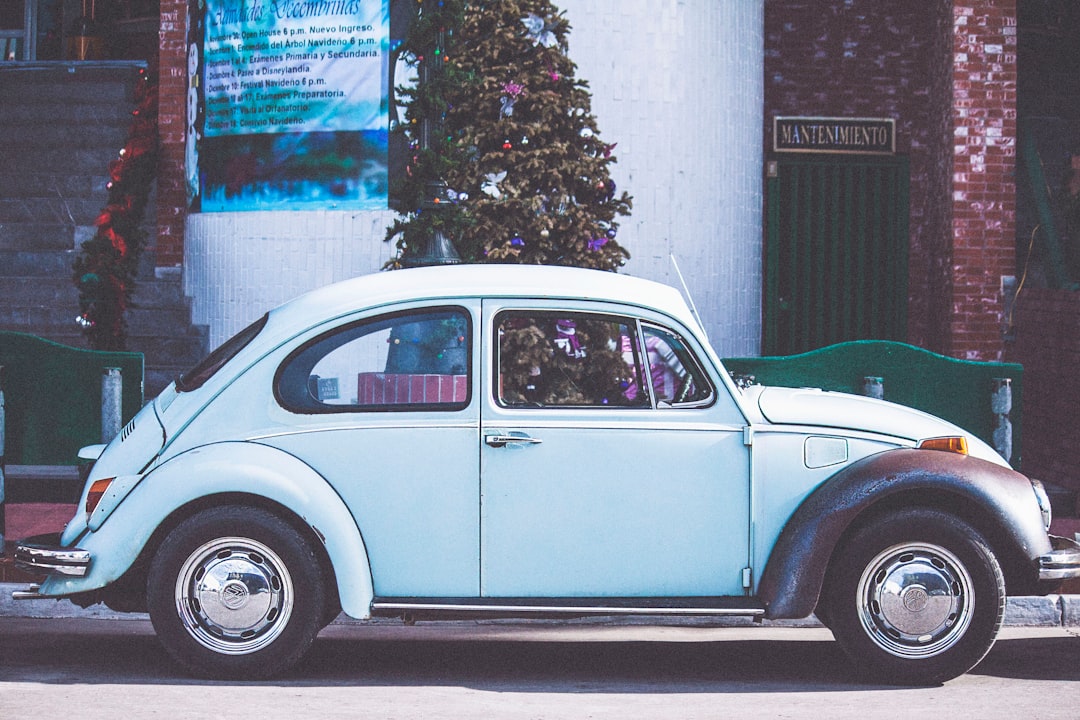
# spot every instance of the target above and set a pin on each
(679, 87)
(239, 265)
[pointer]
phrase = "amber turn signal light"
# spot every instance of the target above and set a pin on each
(948, 444)
(97, 491)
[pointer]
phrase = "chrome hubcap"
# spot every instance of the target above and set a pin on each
(234, 595)
(915, 600)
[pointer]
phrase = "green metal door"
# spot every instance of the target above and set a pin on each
(836, 255)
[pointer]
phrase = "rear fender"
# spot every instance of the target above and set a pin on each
(231, 467)
(793, 578)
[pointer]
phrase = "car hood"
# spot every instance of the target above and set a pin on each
(821, 408)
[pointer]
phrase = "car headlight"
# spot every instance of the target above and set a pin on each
(1044, 502)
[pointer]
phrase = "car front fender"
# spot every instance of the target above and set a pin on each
(224, 468)
(795, 572)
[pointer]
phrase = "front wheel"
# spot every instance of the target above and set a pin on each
(235, 592)
(916, 597)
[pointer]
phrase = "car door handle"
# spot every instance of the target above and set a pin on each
(504, 440)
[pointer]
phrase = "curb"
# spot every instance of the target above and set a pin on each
(1048, 611)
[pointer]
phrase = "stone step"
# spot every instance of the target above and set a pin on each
(50, 211)
(108, 113)
(61, 263)
(184, 348)
(27, 237)
(47, 133)
(38, 184)
(53, 263)
(45, 290)
(78, 161)
(59, 85)
(37, 291)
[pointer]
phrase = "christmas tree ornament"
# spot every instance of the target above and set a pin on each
(540, 31)
(490, 186)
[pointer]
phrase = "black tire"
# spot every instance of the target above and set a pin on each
(915, 597)
(235, 592)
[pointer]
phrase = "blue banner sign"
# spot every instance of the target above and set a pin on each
(290, 104)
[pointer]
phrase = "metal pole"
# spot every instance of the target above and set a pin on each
(112, 386)
(3, 507)
(874, 387)
(1001, 406)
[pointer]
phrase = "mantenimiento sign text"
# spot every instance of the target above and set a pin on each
(868, 136)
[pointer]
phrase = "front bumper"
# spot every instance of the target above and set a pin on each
(1062, 562)
(43, 554)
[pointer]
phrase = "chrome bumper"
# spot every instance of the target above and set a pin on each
(1062, 562)
(43, 554)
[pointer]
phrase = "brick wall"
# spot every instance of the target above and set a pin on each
(984, 193)
(172, 196)
(1047, 327)
(946, 70)
(879, 58)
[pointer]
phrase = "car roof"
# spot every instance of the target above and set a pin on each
(487, 280)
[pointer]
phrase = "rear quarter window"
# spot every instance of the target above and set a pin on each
(415, 360)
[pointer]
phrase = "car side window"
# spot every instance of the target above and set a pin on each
(567, 359)
(675, 375)
(404, 361)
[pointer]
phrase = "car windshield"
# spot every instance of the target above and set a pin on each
(198, 375)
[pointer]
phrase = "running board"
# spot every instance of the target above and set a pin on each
(564, 607)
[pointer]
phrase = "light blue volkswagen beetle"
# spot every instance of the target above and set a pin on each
(524, 441)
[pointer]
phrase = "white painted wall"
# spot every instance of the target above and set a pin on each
(676, 83)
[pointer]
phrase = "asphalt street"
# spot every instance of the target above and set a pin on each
(107, 668)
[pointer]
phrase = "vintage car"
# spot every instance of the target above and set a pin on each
(536, 442)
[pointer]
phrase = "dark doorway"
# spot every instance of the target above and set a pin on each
(836, 251)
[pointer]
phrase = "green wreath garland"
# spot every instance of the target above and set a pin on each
(106, 265)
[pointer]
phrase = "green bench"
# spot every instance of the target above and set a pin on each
(966, 393)
(52, 406)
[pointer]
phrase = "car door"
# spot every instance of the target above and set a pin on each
(598, 478)
(384, 407)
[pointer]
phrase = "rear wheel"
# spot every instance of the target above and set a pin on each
(236, 592)
(916, 597)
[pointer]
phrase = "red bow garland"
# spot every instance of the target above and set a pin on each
(106, 266)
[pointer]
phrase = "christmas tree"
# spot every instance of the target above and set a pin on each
(498, 115)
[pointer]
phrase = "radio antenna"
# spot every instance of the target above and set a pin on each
(686, 292)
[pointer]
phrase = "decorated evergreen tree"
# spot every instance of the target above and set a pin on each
(499, 116)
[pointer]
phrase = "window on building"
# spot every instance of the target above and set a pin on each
(13, 30)
(42, 30)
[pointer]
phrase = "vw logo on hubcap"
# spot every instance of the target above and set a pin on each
(234, 595)
(915, 599)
